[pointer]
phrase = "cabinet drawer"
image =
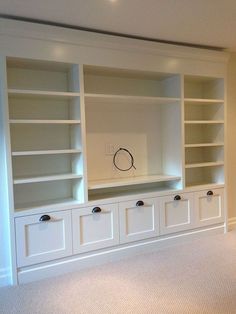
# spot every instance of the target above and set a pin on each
(209, 206)
(138, 220)
(39, 241)
(176, 213)
(95, 228)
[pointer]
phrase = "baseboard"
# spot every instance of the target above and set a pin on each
(4, 277)
(232, 223)
(79, 262)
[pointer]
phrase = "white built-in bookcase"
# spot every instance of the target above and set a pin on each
(175, 137)
(45, 120)
(204, 130)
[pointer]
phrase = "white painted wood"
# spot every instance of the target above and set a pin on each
(93, 259)
(7, 252)
(203, 101)
(41, 93)
(171, 141)
(205, 133)
(204, 122)
(115, 83)
(204, 154)
(38, 76)
(74, 78)
(33, 207)
(205, 144)
(204, 175)
(45, 193)
(209, 209)
(39, 241)
(5, 277)
(176, 215)
(56, 111)
(43, 108)
(231, 223)
(83, 132)
(53, 43)
(117, 116)
(43, 137)
(99, 184)
(44, 121)
(197, 111)
(46, 152)
(182, 111)
(93, 231)
(203, 88)
(104, 98)
(47, 178)
(138, 222)
(205, 164)
(137, 96)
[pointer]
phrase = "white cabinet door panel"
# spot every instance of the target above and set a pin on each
(39, 241)
(138, 222)
(95, 230)
(176, 214)
(209, 206)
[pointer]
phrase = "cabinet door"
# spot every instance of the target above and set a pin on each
(209, 207)
(138, 220)
(176, 213)
(40, 238)
(95, 227)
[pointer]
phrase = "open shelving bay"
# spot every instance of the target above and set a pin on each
(204, 130)
(132, 110)
(46, 136)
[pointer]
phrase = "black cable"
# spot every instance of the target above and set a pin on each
(131, 159)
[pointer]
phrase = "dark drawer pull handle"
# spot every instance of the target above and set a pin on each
(209, 193)
(96, 210)
(177, 198)
(139, 203)
(44, 218)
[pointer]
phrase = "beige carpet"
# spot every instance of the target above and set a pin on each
(195, 277)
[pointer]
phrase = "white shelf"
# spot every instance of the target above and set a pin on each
(46, 152)
(203, 101)
(204, 144)
(31, 121)
(39, 93)
(46, 178)
(31, 207)
(204, 185)
(104, 98)
(204, 164)
(119, 182)
(204, 122)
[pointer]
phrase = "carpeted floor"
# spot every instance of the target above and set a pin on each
(195, 277)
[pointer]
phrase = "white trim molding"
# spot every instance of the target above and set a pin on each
(4, 277)
(232, 223)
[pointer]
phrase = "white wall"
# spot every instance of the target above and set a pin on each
(231, 137)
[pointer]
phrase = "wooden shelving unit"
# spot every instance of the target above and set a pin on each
(45, 126)
(204, 130)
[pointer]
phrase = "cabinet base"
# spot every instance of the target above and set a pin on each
(5, 277)
(83, 261)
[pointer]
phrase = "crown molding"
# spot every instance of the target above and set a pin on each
(16, 28)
